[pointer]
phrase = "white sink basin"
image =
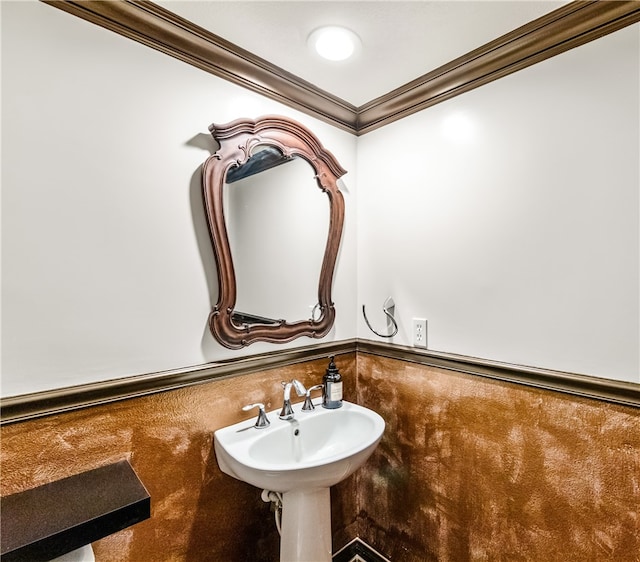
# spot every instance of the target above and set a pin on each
(316, 449)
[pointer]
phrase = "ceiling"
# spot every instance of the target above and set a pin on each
(401, 40)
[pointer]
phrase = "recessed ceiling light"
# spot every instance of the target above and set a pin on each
(333, 42)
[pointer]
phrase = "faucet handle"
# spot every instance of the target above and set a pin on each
(262, 420)
(308, 405)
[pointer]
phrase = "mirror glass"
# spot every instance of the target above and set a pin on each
(277, 222)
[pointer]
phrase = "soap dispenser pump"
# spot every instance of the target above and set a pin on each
(332, 382)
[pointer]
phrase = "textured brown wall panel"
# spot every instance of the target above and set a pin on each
(198, 513)
(471, 469)
(468, 469)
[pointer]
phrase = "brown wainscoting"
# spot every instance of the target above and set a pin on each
(464, 436)
(29, 406)
(471, 468)
(565, 28)
(197, 512)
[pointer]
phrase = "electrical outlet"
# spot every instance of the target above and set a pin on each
(420, 332)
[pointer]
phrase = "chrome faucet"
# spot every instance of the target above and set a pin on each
(287, 411)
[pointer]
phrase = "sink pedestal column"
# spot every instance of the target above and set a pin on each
(306, 526)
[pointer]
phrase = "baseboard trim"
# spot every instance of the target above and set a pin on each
(358, 551)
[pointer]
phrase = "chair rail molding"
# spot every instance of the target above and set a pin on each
(39, 404)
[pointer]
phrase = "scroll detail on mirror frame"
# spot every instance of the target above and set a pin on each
(238, 140)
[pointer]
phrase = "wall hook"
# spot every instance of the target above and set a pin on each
(389, 309)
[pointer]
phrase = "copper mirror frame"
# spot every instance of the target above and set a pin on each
(238, 140)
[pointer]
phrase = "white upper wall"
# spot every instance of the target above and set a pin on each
(518, 243)
(508, 217)
(107, 265)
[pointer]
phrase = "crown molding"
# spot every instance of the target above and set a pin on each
(565, 28)
(164, 31)
(570, 26)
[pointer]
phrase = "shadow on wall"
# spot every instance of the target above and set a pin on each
(245, 533)
(207, 143)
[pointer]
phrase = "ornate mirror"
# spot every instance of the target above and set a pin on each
(275, 217)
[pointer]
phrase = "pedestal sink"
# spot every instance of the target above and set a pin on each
(301, 459)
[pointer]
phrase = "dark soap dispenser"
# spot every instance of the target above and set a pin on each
(332, 383)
